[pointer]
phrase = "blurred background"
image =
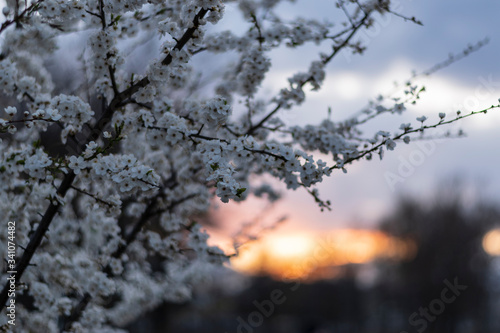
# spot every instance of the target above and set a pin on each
(412, 242)
(427, 267)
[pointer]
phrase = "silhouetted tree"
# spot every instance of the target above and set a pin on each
(448, 232)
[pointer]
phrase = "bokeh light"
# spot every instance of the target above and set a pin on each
(491, 242)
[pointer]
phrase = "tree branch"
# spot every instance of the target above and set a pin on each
(18, 16)
(336, 50)
(95, 134)
(37, 237)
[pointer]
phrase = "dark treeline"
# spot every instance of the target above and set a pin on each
(448, 286)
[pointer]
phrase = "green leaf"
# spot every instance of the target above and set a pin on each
(240, 191)
(12, 157)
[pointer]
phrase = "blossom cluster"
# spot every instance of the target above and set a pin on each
(107, 176)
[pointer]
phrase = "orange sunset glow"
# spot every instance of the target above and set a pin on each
(310, 256)
(491, 242)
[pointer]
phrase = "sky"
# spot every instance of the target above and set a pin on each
(363, 196)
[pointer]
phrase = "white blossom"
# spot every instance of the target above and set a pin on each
(10, 110)
(147, 134)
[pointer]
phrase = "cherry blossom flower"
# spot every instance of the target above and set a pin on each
(149, 141)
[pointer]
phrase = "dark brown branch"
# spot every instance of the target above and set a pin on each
(92, 196)
(336, 50)
(131, 236)
(18, 16)
(406, 18)
(95, 134)
(38, 235)
(411, 131)
(65, 323)
(145, 217)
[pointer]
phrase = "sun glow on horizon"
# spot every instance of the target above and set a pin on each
(491, 242)
(290, 246)
(309, 256)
